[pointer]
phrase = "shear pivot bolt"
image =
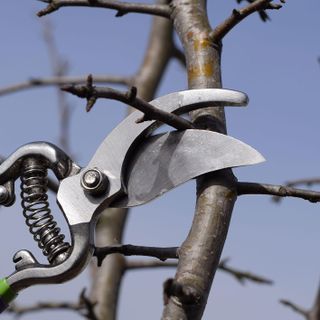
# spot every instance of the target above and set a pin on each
(94, 182)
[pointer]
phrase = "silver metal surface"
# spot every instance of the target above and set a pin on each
(110, 156)
(23, 259)
(121, 165)
(165, 161)
(81, 252)
(94, 182)
(58, 161)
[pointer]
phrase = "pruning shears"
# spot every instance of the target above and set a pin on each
(130, 168)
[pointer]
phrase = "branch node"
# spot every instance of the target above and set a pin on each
(120, 13)
(184, 294)
(51, 7)
(132, 94)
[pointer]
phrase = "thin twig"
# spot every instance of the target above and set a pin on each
(84, 307)
(308, 182)
(311, 314)
(130, 250)
(41, 306)
(242, 276)
(122, 8)
(296, 308)
(61, 81)
(92, 93)
(239, 275)
(245, 188)
(238, 15)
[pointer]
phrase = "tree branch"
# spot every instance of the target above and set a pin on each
(296, 308)
(238, 15)
(130, 250)
(63, 80)
(242, 276)
(122, 8)
(245, 188)
(312, 314)
(84, 307)
(200, 253)
(308, 182)
(239, 275)
(92, 93)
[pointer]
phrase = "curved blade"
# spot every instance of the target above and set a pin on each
(165, 161)
(114, 150)
(111, 154)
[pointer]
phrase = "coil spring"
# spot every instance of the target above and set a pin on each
(37, 212)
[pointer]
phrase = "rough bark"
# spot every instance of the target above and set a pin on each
(216, 193)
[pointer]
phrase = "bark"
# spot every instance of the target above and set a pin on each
(107, 279)
(216, 192)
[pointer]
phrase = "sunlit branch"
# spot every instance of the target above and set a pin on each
(246, 188)
(122, 8)
(238, 15)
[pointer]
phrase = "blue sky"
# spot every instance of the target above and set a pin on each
(275, 63)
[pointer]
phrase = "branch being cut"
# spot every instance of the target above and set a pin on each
(122, 8)
(60, 81)
(238, 15)
(244, 188)
(92, 93)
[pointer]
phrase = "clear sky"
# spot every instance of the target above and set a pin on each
(275, 63)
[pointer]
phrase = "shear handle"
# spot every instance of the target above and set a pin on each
(81, 252)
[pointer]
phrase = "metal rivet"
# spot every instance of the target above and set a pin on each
(94, 181)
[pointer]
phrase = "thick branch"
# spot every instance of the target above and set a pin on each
(60, 81)
(151, 113)
(238, 15)
(245, 188)
(200, 253)
(122, 8)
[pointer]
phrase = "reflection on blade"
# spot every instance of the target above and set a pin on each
(167, 160)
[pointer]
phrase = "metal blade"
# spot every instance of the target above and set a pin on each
(165, 161)
(110, 156)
